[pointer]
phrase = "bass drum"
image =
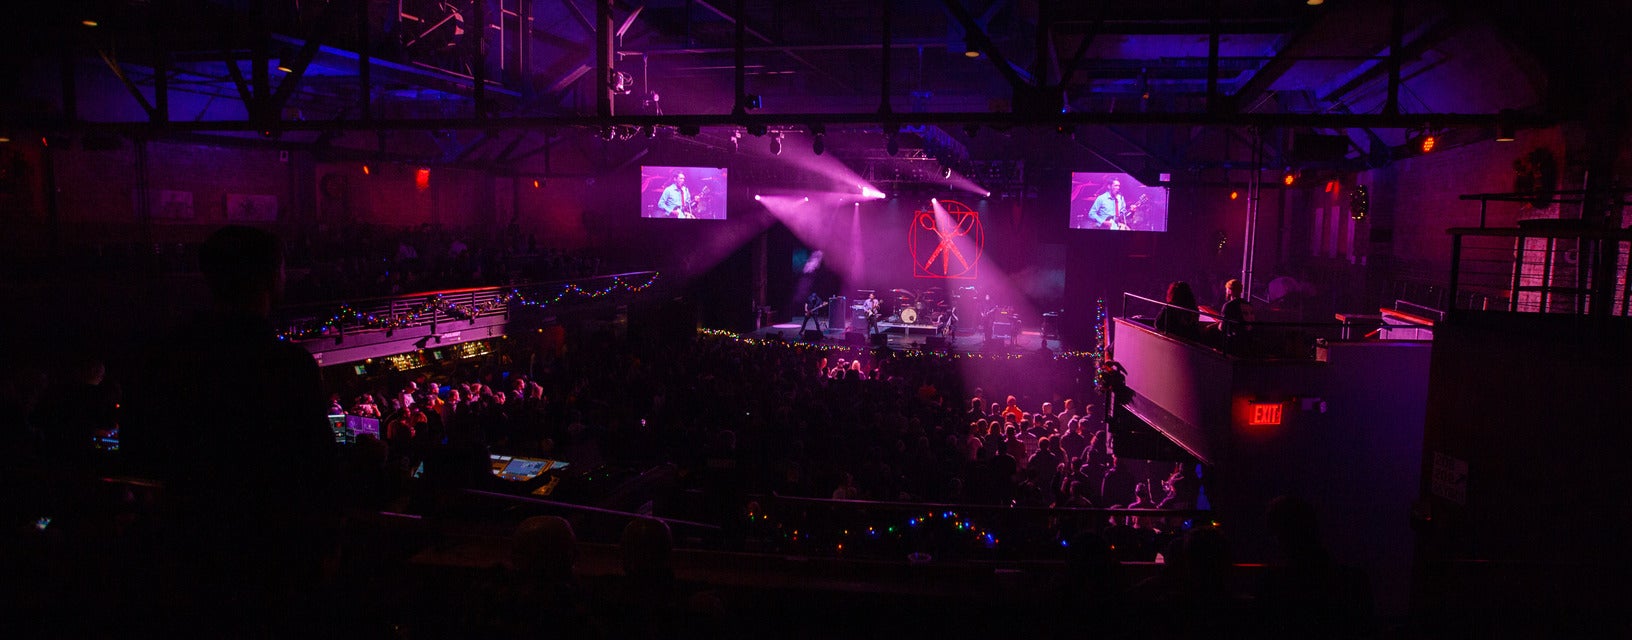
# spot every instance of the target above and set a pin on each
(909, 315)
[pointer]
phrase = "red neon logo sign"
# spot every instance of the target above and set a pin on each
(949, 247)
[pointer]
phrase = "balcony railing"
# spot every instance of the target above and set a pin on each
(1550, 266)
(435, 308)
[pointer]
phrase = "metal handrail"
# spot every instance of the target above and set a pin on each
(430, 308)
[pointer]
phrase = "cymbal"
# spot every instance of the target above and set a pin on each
(902, 292)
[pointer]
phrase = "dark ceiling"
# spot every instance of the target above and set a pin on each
(1138, 85)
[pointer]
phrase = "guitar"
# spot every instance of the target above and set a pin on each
(689, 210)
(809, 309)
(1123, 220)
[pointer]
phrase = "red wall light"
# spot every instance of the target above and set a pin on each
(422, 179)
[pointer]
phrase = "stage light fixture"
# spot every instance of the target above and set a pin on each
(946, 173)
(1234, 194)
(776, 145)
(537, 183)
(1505, 132)
(284, 67)
(752, 101)
(1314, 3)
(818, 145)
(1429, 141)
(621, 83)
(757, 198)
(89, 23)
(366, 171)
(651, 132)
(1289, 178)
(807, 198)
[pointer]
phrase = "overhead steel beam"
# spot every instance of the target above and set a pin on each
(1318, 120)
(763, 38)
(980, 40)
(1272, 70)
(1173, 28)
(135, 92)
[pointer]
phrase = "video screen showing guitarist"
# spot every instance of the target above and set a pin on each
(676, 201)
(685, 193)
(1116, 202)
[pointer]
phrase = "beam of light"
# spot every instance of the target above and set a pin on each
(959, 182)
(815, 220)
(991, 281)
(870, 193)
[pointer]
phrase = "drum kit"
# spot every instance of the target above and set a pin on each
(931, 306)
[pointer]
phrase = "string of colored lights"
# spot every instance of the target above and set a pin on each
(885, 531)
(347, 317)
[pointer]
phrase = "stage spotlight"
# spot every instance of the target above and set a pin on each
(365, 170)
(986, 194)
(89, 23)
(1235, 194)
(946, 173)
(818, 145)
(651, 132)
(758, 197)
(776, 145)
(892, 147)
(1428, 142)
(1289, 178)
(537, 183)
(807, 198)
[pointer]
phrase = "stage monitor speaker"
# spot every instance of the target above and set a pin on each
(934, 342)
(812, 335)
(881, 340)
(855, 337)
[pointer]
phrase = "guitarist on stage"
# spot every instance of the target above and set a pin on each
(1108, 207)
(813, 308)
(676, 201)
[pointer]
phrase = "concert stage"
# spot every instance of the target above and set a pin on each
(912, 336)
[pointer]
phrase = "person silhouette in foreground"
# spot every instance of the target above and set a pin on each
(232, 420)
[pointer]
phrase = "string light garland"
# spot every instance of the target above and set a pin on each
(890, 531)
(349, 318)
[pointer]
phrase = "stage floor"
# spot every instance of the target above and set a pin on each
(901, 337)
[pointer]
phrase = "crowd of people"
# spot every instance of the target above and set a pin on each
(229, 421)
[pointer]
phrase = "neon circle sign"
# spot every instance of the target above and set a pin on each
(949, 247)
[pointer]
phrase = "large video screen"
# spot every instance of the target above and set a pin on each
(1116, 202)
(686, 193)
